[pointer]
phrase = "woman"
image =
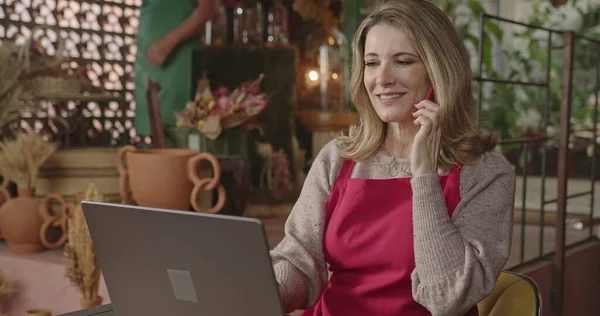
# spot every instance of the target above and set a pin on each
(412, 211)
(165, 45)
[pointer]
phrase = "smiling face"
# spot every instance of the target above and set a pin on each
(395, 77)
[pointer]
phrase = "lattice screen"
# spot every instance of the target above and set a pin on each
(100, 36)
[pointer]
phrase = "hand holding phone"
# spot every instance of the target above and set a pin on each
(426, 145)
(430, 94)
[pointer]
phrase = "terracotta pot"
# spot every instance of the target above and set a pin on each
(89, 303)
(167, 178)
(38, 312)
(20, 222)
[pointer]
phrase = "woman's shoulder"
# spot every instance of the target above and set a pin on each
(328, 161)
(489, 165)
(493, 159)
(331, 150)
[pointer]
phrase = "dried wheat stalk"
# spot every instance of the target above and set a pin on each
(20, 67)
(10, 103)
(13, 64)
(22, 157)
(5, 284)
(82, 265)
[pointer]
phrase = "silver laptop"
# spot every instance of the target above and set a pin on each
(162, 262)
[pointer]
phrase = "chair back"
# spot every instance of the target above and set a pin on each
(514, 295)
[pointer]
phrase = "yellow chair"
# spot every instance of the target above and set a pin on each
(514, 295)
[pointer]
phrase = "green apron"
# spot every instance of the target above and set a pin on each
(157, 19)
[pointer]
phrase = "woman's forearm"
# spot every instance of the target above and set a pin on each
(458, 259)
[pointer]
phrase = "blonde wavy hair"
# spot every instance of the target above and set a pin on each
(446, 59)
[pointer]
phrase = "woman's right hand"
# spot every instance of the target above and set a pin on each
(162, 48)
(160, 51)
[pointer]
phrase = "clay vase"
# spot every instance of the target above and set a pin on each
(89, 303)
(20, 222)
(167, 178)
(38, 312)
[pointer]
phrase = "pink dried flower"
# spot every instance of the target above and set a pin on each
(265, 150)
(281, 184)
(222, 91)
(253, 87)
(225, 105)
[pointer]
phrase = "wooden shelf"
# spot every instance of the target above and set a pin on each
(80, 97)
(69, 171)
(320, 122)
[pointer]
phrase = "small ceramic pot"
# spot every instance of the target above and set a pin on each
(89, 303)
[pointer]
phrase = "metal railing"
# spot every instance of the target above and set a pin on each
(564, 136)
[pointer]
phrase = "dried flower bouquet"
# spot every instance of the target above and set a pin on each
(211, 113)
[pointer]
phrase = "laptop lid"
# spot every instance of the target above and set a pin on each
(163, 262)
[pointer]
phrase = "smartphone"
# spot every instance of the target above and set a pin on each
(431, 97)
(430, 94)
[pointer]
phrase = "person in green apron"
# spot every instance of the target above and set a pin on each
(166, 38)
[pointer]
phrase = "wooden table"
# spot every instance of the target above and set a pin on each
(40, 282)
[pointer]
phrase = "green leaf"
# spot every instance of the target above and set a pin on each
(487, 51)
(474, 40)
(476, 7)
(529, 32)
(495, 29)
(463, 31)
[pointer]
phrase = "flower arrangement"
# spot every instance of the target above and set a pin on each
(82, 268)
(212, 112)
(22, 157)
(275, 175)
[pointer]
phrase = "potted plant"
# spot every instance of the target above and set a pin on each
(82, 267)
(20, 161)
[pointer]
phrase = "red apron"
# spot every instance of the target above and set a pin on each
(368, 244)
